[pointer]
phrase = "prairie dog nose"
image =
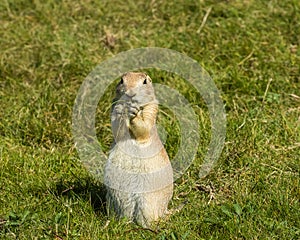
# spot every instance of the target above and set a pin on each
(130, 93)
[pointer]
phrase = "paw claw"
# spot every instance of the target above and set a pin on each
(133, 110)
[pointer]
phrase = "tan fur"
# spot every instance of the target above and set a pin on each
(138, 173)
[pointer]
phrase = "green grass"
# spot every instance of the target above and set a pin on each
(250, 48)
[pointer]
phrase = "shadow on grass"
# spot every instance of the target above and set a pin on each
(86, 189)
(73, 188)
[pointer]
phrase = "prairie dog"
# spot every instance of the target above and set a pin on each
(138, 174)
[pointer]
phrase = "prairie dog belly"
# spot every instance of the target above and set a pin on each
(138, 188)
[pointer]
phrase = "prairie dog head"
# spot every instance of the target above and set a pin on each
(136, 87)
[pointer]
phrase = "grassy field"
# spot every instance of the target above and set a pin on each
(250, 48)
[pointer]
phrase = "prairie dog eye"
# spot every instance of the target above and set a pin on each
(122, 81)
(145, 81)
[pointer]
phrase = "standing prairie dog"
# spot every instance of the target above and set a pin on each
(138, 174)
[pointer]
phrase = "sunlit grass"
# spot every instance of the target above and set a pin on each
(250, 48)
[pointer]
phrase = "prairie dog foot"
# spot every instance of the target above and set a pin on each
(172, 211)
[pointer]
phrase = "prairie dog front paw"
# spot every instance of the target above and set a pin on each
(119, 109)
(133, 110)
